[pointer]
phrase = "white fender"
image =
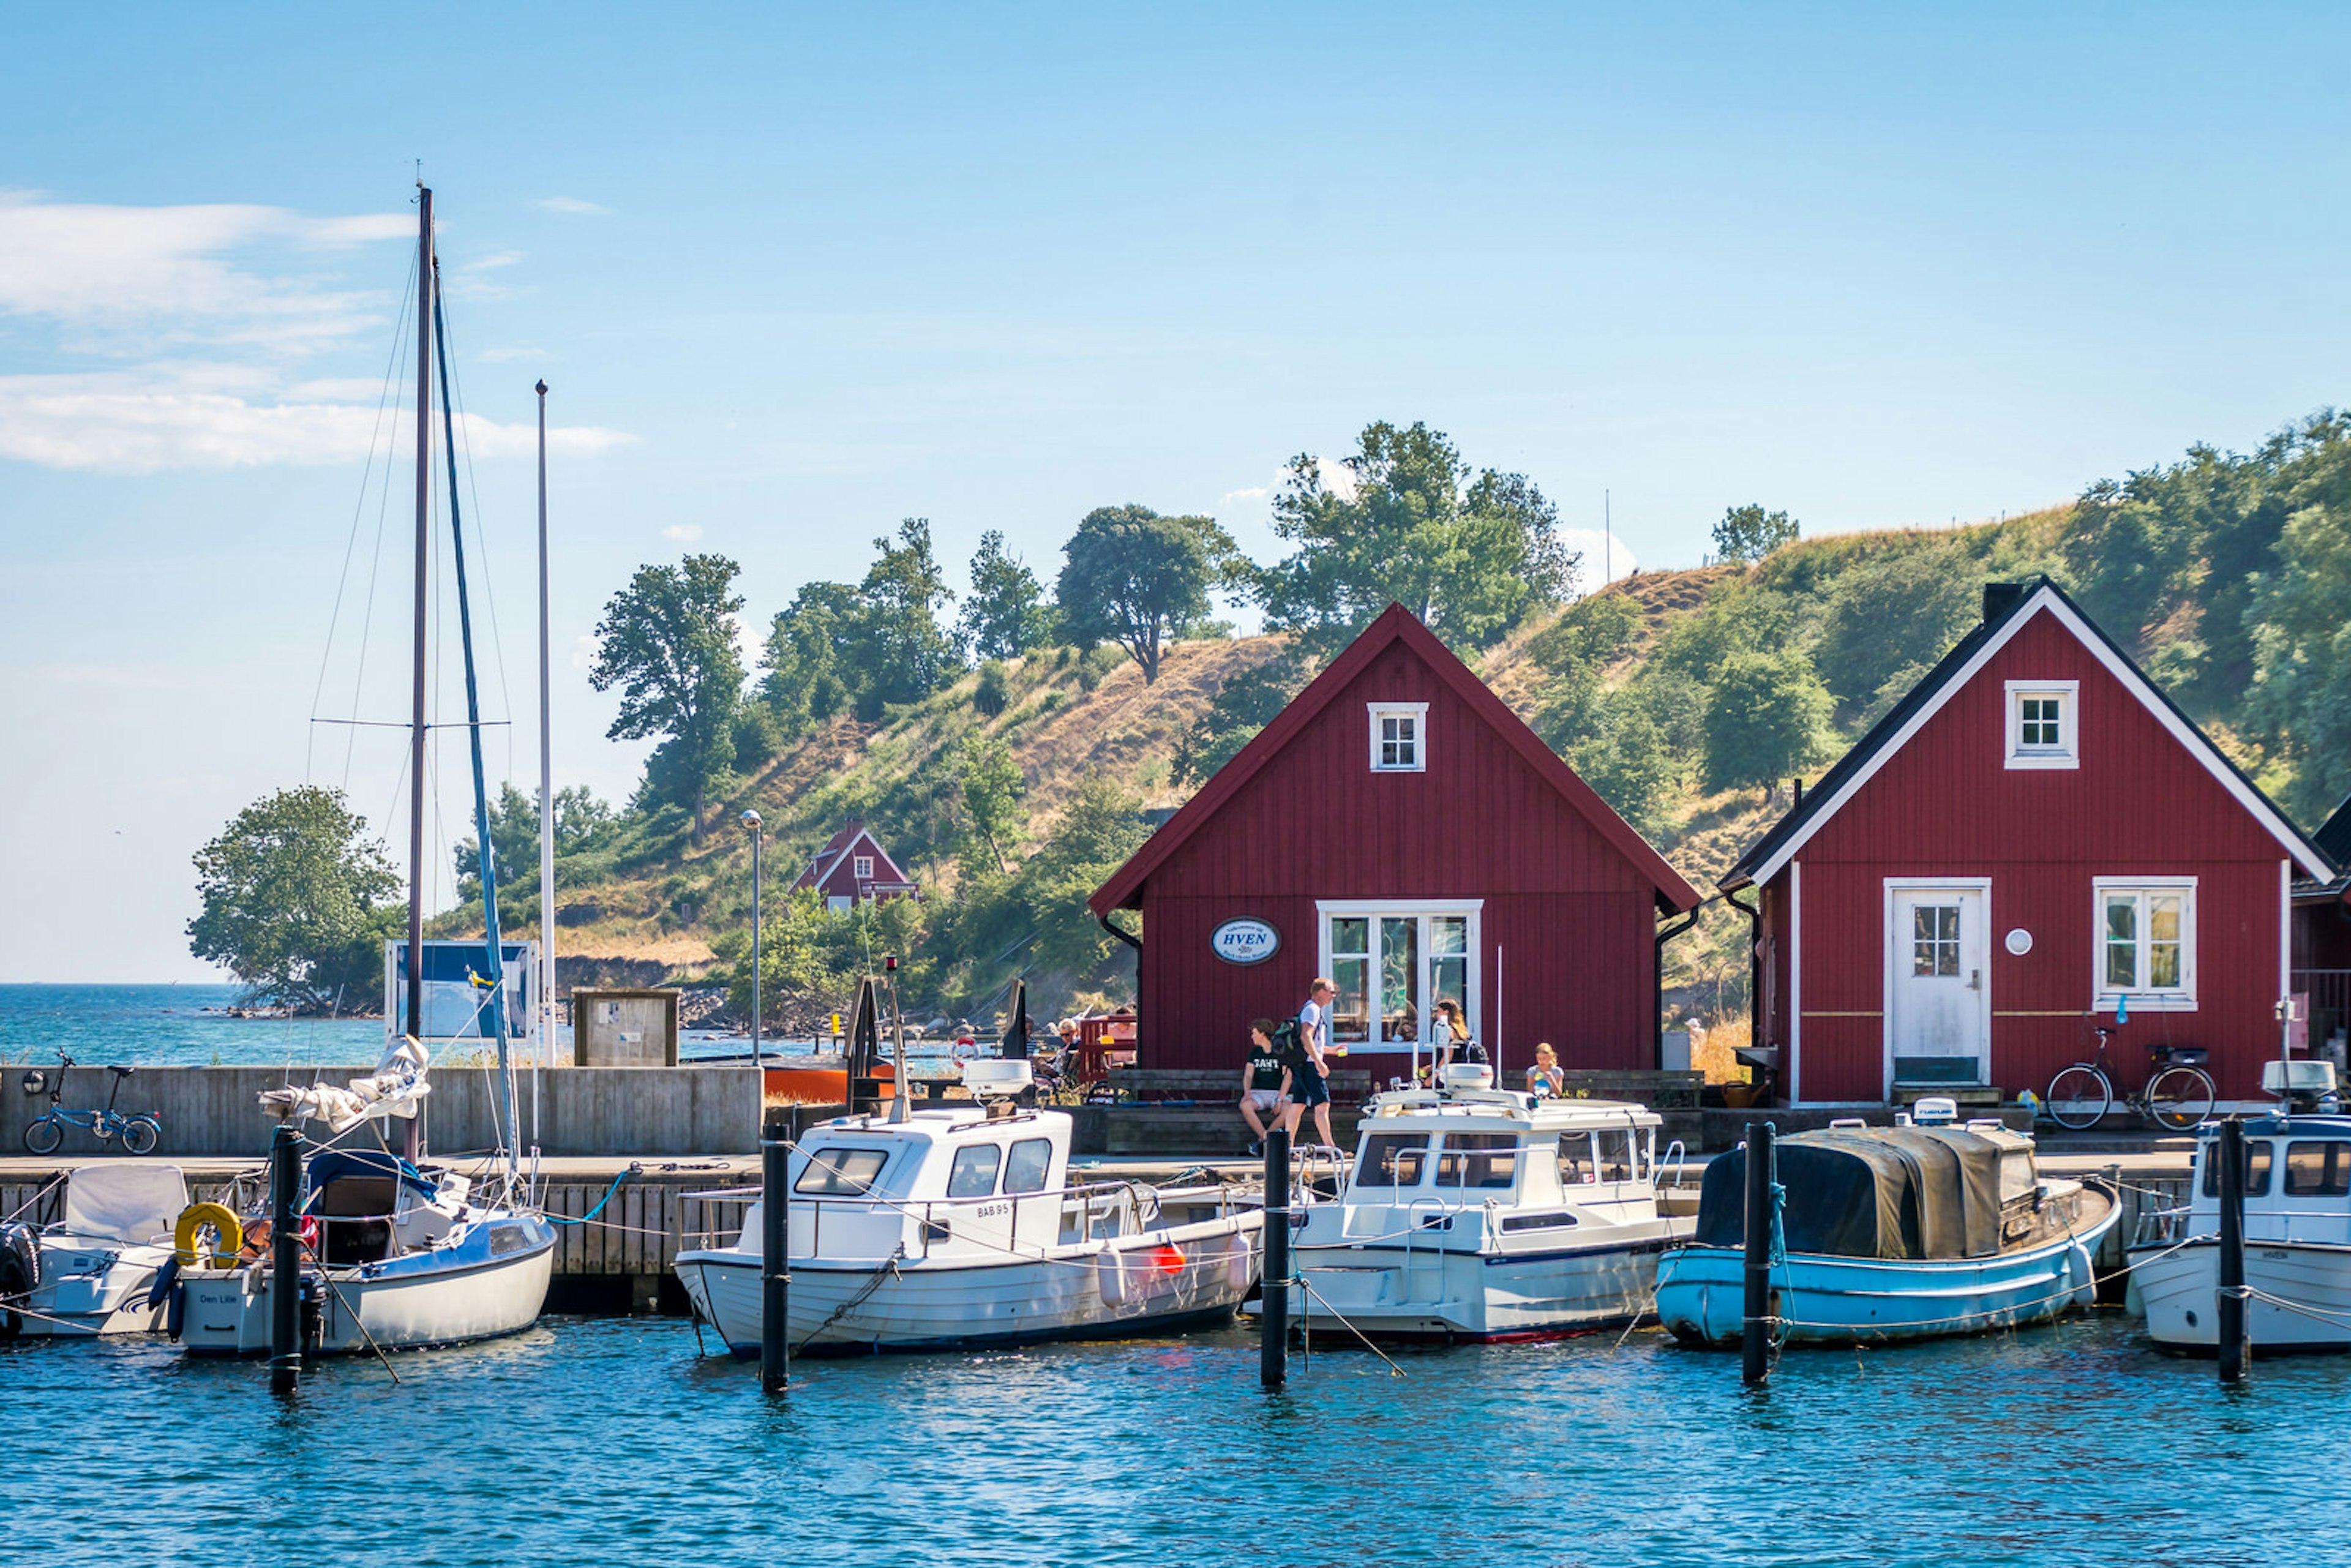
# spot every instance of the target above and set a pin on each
(1240, 1262)
(1109, 1276)
(2085, 1275)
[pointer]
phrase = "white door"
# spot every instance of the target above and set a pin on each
(1939, 1011)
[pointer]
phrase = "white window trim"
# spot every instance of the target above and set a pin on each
(2103, 997)
(1373, 909)
(2068, 751)
(1418, 714)
(861, 867)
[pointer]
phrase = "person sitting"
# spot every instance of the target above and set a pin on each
(1453, 1037)
(1264, 1082)
(1545, 1077)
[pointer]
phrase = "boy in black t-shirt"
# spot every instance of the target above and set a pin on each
(1264, 1081)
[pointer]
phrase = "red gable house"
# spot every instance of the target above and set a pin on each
(2321, 942)
(2033, 835)
(851, 869)
(1399, 829)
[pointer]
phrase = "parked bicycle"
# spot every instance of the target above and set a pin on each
(2178, 1093)
(139, 1134)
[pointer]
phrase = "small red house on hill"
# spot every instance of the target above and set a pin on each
(2034, 835)
(1399, 829)
(852, 869)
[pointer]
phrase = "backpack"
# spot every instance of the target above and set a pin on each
(1289, 1044)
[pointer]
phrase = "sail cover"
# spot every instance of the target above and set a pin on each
(1876, 1192)
(393, 1089)
(123, 1202)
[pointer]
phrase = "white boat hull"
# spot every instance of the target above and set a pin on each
(2178, 1289)
(1429, 1294)
(1701, 1292)
(1141, 1285)
(84, 1296)
(228, 1311)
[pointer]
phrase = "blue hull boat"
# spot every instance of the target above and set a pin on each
(1893, 1234)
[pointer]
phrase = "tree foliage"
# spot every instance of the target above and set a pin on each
(1242, 706)
(1767, 715)
(805, 680)
(1138, 580)
(293, 895)
(667, 640)
(991, 787)
(898, 652)
(1751, 533)
(580, 817)
(1891, 615)
(1005, 615)
(1409, 524)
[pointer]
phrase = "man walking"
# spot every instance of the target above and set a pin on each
(1310, 1070)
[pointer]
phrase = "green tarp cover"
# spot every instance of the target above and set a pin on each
(1874, 1192)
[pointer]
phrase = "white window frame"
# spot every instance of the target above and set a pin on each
(2067, 752)
(1418, 714)
(2143, 999)
(1373, 910)
(861, 867)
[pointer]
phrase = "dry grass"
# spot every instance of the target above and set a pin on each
(1711, 1053)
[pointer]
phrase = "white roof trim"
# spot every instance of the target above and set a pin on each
(2198, 743)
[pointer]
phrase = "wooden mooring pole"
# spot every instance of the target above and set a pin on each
(1755, 1326)
(1273, 1321)
(2230, 1307)
(286, 1259)
(775, 1261)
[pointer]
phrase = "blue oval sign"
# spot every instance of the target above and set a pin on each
(1247, 940)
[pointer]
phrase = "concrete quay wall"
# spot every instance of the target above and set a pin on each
(212, 1111)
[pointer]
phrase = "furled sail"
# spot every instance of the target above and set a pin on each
(393, 1089)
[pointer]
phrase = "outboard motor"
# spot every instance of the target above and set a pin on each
(2301, 1087)
(20, 1274)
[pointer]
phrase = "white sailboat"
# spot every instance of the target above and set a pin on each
(399, 1254)
(92, 1270)
(959, 1227)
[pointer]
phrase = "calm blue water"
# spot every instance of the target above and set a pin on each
(186, 1026)
(608, 1441)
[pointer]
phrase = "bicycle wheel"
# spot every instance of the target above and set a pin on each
(44, 1136)
(2179, 1098)
(140, 1134)
(2079, 1097)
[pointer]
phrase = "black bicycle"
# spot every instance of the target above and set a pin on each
(2178, 1093)
(139, 1134)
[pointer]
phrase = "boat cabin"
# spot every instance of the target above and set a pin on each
(370, 1206)
(2297, 1181)
(1444, 1157)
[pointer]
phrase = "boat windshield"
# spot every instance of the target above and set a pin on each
(843, 1173)
(972, 1174)
(2321, 1169)
(1026, 1168)
(1597, 1156)
(1479, 1159)
(1391, 1159)
(2257, 1167)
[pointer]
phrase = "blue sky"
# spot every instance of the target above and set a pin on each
(795, 274)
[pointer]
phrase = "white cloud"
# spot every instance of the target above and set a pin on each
(572, 206)
(1602, 552)
(116, 424)
(121, 269)
(491, 263)
(1258, 494)
(684, 533)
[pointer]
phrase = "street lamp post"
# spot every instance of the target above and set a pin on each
(751, 821)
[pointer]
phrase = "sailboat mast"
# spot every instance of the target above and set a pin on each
(416, 1023)
(546, 798)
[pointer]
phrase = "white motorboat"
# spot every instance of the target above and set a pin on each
(1892, 1233)
(959, 1227)
(398, 1257)
(1473, 1213)
(2297, 1241)
(92, 1270)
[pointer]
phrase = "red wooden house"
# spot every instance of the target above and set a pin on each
(2033, 836)
(2322, 940)
(853, 869)
(1399, 829)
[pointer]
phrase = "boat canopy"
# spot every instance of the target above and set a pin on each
(1876, 1192)
(331, 1165)
(123, 1202)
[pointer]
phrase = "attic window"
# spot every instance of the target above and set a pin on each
(2043, 723)
(1399, 737)
(862, 868)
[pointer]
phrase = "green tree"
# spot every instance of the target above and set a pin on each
(514, 837)
(804, 682)
(991, 787)
(1471, 557)
(2301, 689)
(293, 895)
(1099, 829)
(1888, 614)
(1766, 716)
(1005, 615)
(896, 650)
(1750, 533)
(1243, 703)
(667, 640)
(1138, 580)
(1626, 761)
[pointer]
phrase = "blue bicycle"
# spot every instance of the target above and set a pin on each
(139, 1133)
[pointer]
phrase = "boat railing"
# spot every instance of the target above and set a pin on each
(1106, 1211)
